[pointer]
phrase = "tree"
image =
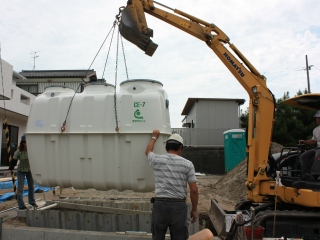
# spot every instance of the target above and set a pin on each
(244, 118)
(291, 123)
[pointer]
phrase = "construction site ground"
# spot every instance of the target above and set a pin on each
(227, 189)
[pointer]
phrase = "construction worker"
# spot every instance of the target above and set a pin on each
(22, 173)
(172, 175)
(310, 160)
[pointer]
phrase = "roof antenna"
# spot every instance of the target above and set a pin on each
(34, 59)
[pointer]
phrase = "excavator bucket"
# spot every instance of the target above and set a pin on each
(133, 27)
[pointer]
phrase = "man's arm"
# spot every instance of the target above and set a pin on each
(194, 196)
(12, 164)
(309, 142)
(155, 135)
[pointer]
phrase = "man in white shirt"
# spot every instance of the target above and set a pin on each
(310, 160)
(173, 174)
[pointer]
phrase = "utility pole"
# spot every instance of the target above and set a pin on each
(308, 68)
(34, 59)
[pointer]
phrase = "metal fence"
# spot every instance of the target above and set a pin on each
(199, 136)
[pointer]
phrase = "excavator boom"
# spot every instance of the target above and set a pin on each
(263, 181)
(134, 28)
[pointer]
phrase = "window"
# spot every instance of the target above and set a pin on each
(25, 100)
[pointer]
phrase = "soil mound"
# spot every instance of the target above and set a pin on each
(232, 185)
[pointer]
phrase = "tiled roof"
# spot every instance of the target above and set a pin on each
(58, 73)
(17, 75)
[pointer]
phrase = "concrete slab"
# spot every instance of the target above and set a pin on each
(33, 233)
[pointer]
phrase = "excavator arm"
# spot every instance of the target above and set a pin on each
(133, 27)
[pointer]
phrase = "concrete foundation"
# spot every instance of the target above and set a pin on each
(32, 233)
(78, 218)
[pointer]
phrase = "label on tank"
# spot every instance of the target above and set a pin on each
(138, 117)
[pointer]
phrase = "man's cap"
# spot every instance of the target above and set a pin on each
(23, 138)
(317, 114)
(175, 138)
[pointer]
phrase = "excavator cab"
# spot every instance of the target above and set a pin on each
(309, 101)
(133, 27)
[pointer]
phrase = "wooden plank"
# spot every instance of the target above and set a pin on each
(7, 179)
(83, 207)
(107, 203)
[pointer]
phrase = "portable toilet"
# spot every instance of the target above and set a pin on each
(234, 148)
(102, 144)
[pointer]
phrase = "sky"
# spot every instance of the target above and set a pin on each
(275, 36)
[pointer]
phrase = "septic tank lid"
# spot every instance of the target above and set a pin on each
(99, 83)
(58, 86)
(141, 80)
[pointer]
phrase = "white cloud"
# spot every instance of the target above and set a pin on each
(274, 36)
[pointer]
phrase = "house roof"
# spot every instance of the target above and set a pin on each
(18, 76)
(191, 101)
(60, 74)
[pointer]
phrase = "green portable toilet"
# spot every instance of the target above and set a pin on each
(234, 148)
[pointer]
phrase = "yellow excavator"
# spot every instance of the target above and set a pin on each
(283, 210)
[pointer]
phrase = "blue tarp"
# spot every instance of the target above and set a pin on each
(6, 196)
(9, 184)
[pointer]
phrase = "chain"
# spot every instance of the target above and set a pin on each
(124, 58)
(115, 84)
(63, 127)
(114, 24)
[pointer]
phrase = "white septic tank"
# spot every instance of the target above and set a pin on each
(90, 153)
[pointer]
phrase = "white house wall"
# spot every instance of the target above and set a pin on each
(14, 93)
(217, 114)
(192, 116)
(14, 110)
(7, 71)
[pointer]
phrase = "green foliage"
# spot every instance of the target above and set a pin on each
(244, 119)
(291, 123)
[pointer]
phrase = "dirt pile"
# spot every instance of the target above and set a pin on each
(232, 185)
(276, 148)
